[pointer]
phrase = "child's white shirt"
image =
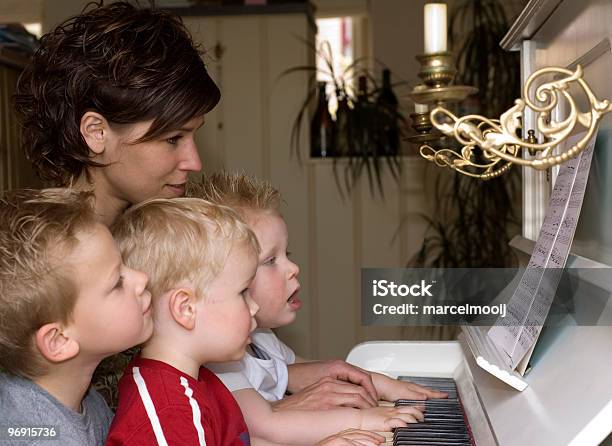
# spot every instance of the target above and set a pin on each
(269, 377)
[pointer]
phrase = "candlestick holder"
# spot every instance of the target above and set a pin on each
(421, 123)
(437, 69)
(437, 73)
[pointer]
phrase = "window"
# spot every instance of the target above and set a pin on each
(335, 43)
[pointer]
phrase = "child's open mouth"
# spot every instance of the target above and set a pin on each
(294, 301)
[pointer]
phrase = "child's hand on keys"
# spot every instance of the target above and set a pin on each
(387, 418)
(392, 390)
(353, 437)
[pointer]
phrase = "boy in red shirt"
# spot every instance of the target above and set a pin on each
(201, 260)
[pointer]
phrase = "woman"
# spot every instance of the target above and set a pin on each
(111, 102)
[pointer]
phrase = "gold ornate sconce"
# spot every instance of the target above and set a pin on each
(499, 141)
(489, 147)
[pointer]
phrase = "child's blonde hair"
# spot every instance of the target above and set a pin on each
(240, 191)
(180, 240)
(38, 228)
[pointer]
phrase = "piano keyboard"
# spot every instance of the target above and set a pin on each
(445, 421)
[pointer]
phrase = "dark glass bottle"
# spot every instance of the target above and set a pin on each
(321, 127)
(362, 95)
(387, 105)
(342, 134)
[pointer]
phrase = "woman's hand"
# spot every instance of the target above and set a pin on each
(327, 393)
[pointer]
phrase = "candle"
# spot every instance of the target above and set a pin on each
(435, 27)
(420, 108)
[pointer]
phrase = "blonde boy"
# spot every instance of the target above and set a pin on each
(62, 285)
(261, 379)
(201, 259)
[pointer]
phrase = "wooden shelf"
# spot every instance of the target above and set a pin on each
(343, 159)
(215, 10)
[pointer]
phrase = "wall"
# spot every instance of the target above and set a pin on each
(20, 11)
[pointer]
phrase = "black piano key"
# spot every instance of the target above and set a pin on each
(432, 441)
(432, 420)
(432, 426)
(433, 433)
(441, 403)
(436, 431)
(444, 416)
(457, 438)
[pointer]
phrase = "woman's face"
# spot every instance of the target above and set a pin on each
(151, 169)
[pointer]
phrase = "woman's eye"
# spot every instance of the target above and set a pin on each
(243, 293)
(173, 140)
(270, 261)
(288, 253)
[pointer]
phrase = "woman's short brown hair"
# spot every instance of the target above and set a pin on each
(128, 63)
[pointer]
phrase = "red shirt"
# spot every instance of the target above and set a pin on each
(160, 405)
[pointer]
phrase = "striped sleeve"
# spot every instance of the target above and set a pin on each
(173, 416)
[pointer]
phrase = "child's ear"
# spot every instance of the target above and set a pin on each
(182, 307)
(94, 128)
(54, 344)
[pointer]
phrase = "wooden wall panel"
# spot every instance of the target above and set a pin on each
(209, 138)
(15, 170)
(283, 98)
(335, 260)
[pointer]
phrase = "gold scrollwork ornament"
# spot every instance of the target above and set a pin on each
(501, 147)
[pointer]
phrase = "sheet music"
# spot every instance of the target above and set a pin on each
(516, 334)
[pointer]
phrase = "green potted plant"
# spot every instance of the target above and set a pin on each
(368, 124)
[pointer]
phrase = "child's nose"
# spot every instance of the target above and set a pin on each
(140, 279)
(294, 270)
(253, 307)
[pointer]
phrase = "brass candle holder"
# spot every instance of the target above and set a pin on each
(491, 146)
(437, 73)
(437, 69)
(421, 122)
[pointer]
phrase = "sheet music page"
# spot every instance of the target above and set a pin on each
(516, 334)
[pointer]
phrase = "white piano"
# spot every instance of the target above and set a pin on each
(568, 400)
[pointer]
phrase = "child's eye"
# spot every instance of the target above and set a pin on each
(288, 253)
(119, 283)
(244, 292)
(173, 140)
(270, 261)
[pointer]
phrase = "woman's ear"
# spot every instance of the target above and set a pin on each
(182, 307)
(54, 344)
(94, 128)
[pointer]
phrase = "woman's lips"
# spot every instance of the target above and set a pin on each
(178, 189)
